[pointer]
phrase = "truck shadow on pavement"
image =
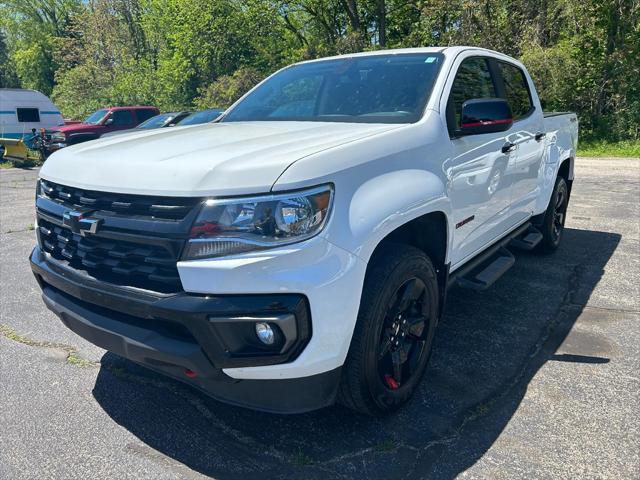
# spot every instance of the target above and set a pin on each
(488, 347)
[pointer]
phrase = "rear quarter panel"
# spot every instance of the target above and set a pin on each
(561, 144)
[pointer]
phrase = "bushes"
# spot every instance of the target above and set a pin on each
(228, 88)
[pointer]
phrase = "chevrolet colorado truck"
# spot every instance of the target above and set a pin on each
(298, 251)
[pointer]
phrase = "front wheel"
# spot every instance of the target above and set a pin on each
(555, 216)
(391, 344)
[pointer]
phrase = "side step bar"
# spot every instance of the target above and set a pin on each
(487, 273)
(485, 269)
(528, 240)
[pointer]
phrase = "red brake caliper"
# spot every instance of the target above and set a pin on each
(391, 382)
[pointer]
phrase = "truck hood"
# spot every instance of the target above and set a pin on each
(210, 159)
(78, 128)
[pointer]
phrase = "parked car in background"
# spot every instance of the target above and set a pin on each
(299, 251)
(163, 120)
(23, 110)
(203, 116)
(100, 122)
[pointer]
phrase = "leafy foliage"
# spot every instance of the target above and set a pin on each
(228, 88)
(180, 54)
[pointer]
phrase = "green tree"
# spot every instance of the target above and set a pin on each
(176, 54)
(228, 88)
(31, 29)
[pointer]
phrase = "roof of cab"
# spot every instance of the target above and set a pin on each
(399, 51)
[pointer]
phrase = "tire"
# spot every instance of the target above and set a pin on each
(552, 226)
(374, 382)
(495, 179)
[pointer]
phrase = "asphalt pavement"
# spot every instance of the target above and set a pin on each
(535, 378)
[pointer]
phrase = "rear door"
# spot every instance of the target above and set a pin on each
(527, 134)
(478, 169)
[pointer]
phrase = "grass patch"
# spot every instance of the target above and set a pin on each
(300, 458)
(4, 163)
(72, 354)
(11, 334)
(386, 446)
(602, 148)
(74, 359)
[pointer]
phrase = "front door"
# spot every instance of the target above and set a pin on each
(478, 171)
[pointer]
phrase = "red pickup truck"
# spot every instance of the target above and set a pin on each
(100, 122)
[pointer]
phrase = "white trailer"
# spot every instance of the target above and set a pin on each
(22, 110)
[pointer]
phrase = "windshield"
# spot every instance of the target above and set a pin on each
(158, 121)
(370, 89)
(96, 117)
(201, 117)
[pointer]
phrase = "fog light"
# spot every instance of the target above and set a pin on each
(265, 333)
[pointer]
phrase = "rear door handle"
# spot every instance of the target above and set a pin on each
(540, 135)
(508, 147)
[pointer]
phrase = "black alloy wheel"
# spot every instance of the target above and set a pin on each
(402, 343)
(553, 223)
(392, 339)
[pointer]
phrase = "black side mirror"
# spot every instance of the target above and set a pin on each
(485, 115)
(108, 121)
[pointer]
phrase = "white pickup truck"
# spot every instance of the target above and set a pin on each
(298, 250)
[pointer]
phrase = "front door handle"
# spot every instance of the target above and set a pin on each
(508, 147)
(539, 136)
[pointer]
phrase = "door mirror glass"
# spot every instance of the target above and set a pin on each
(485, 115)
(108, 121)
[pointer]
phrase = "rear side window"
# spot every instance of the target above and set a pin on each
(473, 80)
(516, 90)
(28, 114)
(145, 114)
(122, 117)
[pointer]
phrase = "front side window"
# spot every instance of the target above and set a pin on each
(122, 117)
(28, 114)
(366, 89)
(473, 80)
(516, 90)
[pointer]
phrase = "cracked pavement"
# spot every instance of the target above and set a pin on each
(536, 377)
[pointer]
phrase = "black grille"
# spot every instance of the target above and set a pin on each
(117, 261)
(155, 208)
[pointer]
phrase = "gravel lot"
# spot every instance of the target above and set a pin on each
(535, 378)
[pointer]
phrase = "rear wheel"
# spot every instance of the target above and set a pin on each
(391, 344)
(555, 216)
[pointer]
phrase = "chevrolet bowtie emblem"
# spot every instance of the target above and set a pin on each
(80, 222)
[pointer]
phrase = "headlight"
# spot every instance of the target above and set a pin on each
(57, 137)
(239, 225)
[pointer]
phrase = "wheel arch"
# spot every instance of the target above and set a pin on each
(430, 234)
(566, 171)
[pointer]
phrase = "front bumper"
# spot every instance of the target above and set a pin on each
(185, 336)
